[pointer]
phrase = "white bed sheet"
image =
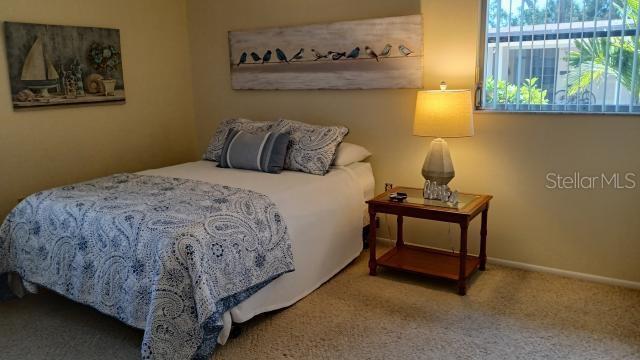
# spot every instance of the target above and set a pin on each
(364, 174)
(323, 216)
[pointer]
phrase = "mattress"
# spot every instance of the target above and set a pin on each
(363, 173)
(324, 220)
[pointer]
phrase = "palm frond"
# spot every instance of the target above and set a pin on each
(593, 52)
(632, 7)
(581, 79)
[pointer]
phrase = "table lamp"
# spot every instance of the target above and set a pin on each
(442, 114)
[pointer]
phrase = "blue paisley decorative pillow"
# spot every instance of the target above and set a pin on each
(248, 126)
(311, 147)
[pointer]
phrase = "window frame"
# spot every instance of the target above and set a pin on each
(479, 81)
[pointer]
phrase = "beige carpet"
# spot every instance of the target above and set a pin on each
(507, 314)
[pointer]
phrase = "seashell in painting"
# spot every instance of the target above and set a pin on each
(25, 95)
(93, 84)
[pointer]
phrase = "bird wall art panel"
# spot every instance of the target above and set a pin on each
(61, 65)
(363, 54)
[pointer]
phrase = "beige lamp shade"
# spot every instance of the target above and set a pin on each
(443, 113)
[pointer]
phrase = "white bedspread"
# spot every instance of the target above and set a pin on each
(324, 217)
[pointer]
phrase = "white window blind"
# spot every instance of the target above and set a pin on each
(560, 56)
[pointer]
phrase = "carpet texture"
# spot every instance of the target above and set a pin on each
(507, 314)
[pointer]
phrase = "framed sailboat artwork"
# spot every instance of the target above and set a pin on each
(53, 65)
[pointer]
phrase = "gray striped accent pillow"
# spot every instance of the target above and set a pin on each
(217, 141)
(261, 152)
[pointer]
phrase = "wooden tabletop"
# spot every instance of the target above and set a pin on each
(474, 205)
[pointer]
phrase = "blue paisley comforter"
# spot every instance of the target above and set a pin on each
(166, 255)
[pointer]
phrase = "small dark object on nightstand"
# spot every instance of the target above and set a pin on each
(399, 196)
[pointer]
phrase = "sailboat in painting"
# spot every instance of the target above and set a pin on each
(37, 72)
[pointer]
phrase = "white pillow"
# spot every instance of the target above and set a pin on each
(348, 153)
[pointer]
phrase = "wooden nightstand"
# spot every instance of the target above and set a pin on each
(454, 266)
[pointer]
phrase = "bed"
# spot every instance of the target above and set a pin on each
(323, 215)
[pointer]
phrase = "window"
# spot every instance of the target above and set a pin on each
(560, 56)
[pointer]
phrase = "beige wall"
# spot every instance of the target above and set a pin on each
(45, 148)
(596, 232)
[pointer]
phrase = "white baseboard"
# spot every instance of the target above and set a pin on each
(549, 270)
(565, 273)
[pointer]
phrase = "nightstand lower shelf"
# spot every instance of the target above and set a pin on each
(427, 261)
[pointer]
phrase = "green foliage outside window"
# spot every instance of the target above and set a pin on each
(508, 93)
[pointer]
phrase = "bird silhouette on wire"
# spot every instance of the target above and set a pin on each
(354, 53)
(318, 55)
(281, 55)
(337, 55)
(266, 57)
(299, 55)
(255, 57)
(371, 53)
(404, 50)
(385, 51)
(243, 59)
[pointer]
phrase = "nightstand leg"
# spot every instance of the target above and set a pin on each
(400, 240)
(372, 243)
(483, 240)
(462, 281)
